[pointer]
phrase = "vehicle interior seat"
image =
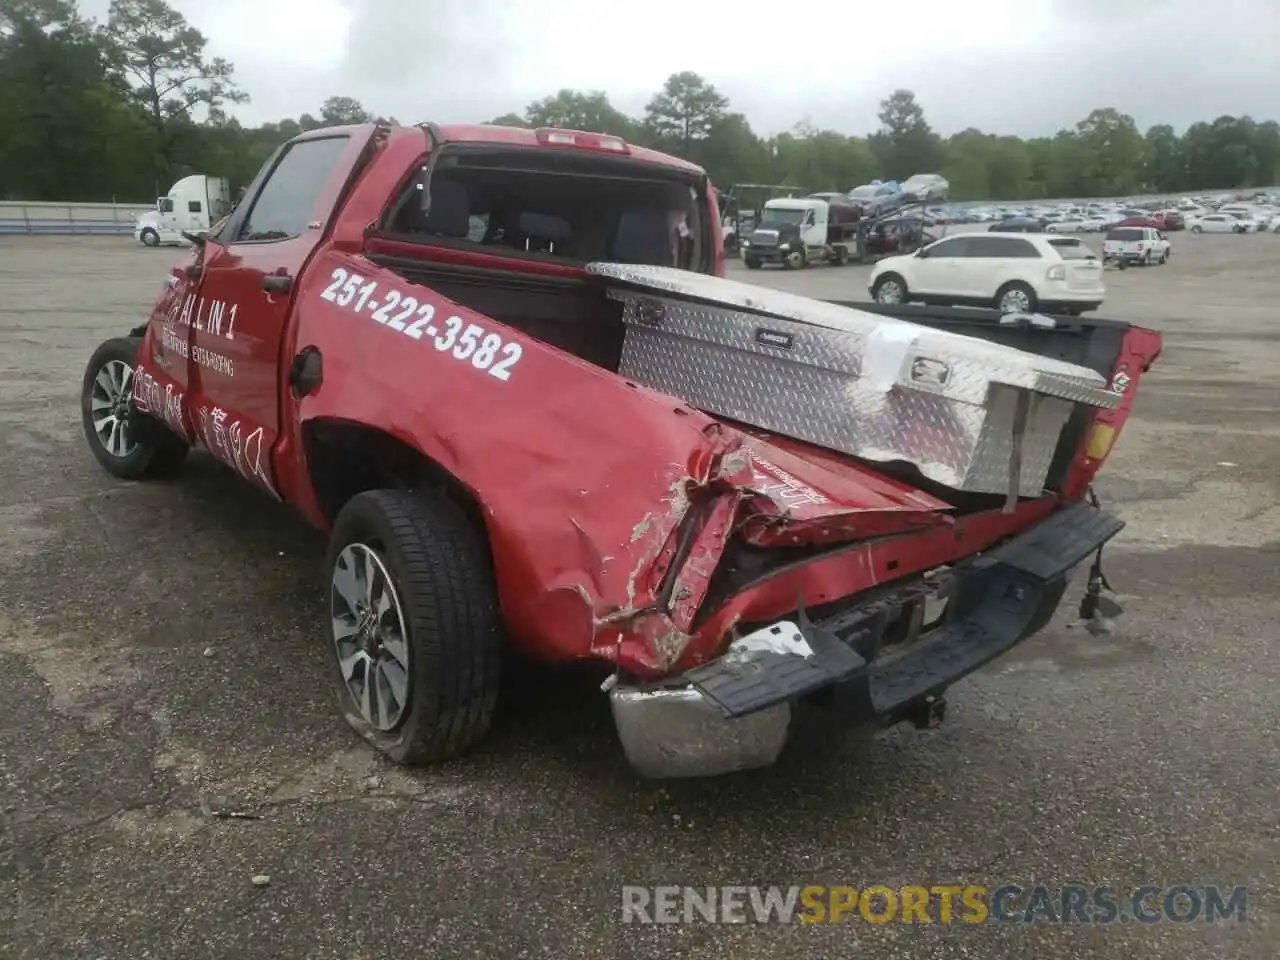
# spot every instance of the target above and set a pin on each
(450, 213)
(543, 233)
(643, 237)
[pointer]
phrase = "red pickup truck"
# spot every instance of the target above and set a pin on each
(396, 334)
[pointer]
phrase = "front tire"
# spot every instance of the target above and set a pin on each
(753, 263)
(1197, 229)
(416, 634)
(111, 422)
(150, 238)
(890, 289)
(1015, 297)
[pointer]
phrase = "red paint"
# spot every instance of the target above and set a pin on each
(1138, 352)
(598, 495)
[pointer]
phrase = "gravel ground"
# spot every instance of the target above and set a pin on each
(164, 663)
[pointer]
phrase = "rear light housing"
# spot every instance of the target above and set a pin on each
(1058, 272)
(582, 140)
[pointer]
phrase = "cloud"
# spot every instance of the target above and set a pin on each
(1025, 67)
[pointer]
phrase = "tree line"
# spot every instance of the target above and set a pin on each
(119, 110)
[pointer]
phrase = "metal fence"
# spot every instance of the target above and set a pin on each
(20, 216)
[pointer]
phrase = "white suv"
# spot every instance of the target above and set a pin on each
(1014, 272)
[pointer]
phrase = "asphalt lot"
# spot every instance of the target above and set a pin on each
(163, 658)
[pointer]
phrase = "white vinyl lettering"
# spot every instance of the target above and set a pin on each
(426, 313)
(234, 443)
(485, 350)
(163, 402)
(331, 291)
(176, 342)
(383, 313)
(217, 318)
(510, 357)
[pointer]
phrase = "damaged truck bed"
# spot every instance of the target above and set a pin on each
(503, 371)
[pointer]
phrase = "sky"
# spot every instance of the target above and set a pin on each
(1027, 68)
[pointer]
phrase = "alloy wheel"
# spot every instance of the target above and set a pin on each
(109, 405)
(889, 292)
(1015, 301)
(369, 635)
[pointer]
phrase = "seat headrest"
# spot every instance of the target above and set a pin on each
(544, 227)
(643, 237)
(450, 214)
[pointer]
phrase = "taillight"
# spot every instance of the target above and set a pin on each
(582, 140)
(1058, 272)
(1140, 247)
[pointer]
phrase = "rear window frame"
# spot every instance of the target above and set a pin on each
(1058, 244)
(425, 167)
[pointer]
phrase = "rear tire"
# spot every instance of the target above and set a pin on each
(128, 444)
(431, 646)
(1197, 229)
(1015, 297)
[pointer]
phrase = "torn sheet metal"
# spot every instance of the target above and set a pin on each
(880, 389)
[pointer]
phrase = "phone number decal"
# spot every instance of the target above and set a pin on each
(466, 342)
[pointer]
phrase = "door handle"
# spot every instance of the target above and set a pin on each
(277, 283)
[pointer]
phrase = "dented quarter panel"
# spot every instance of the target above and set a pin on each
(583, 479)
(578, 509)
(608, 506)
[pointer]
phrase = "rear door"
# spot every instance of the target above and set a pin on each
(994, 261)
(239, 317)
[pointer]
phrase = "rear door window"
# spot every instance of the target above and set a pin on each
(1003, 247)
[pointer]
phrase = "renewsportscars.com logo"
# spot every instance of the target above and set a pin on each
(967, 903)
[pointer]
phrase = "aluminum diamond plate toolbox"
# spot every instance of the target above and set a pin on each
(968, 414)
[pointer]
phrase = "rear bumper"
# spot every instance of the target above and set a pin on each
(735, 712)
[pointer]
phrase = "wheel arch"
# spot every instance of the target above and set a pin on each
(891, 275)
(345, 458)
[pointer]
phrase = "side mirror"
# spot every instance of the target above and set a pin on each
(922, 253)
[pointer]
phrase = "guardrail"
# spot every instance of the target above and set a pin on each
(23, 217)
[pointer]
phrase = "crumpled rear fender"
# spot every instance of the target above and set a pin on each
(582, 508)
(607, 505)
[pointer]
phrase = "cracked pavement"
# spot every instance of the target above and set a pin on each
(167, 735)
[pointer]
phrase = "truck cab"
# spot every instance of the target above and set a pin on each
(796, 232)
(192, 205)
(502, 372)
